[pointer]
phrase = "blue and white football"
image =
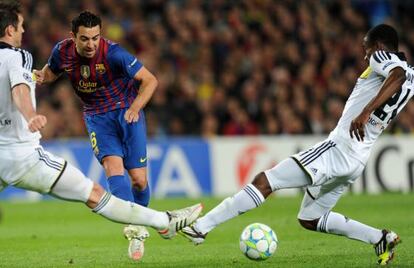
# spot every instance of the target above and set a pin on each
(258, 241)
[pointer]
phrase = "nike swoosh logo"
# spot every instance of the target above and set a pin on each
(142, 160)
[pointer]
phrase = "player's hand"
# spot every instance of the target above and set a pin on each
(131, 115)
(39, 76)
(357, 126)
(37, 122)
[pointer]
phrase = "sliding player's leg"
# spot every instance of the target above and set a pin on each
(332, 168)
(45, 173)
(73, 185)
(287, 174)
(316, 215)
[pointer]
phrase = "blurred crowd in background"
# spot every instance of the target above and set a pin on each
(227, 67)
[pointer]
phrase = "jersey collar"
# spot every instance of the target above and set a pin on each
(5, 45)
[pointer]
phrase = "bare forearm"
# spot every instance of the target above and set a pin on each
(145, 93)
(22, 99)
(391, 85)
(48, 75)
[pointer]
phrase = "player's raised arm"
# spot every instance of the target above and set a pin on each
(23, 101)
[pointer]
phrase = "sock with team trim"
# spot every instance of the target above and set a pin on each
(142, 197)
(248, 198)
(335, 223)
(120, 188)
(121, 211)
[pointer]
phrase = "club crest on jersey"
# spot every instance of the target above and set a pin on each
(100, 68)
(85, 71)
(28, 77)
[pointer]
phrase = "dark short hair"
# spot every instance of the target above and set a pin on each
(86, 19)
(9, 15)
(385, 34)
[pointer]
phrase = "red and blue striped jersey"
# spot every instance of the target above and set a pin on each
(104, 82)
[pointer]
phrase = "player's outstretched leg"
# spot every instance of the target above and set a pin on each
(248, 198)
(166, 223)
(73, 185)
(334, 223)
(287, 174)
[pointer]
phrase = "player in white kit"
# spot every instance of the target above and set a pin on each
(330, 166)
(24, 163)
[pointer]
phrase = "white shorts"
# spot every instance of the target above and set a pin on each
(324, 169)
(326, 163)
(30, 168)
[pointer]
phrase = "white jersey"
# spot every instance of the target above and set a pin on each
(366, 88)
(15, 68)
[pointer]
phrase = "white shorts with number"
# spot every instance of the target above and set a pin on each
(325, 169)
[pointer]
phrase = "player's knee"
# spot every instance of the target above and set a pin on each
(113, 166)
(262, 184)
(138, 178)
(139, 182)
(95, 196)
(309, 224)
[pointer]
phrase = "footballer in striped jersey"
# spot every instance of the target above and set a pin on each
(329, 167)
(114, 87)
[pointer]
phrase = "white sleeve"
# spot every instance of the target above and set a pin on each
(19, 69)
(383, 62)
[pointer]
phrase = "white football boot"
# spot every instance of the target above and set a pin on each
(193, 235)
(136, 236)
(179, 219)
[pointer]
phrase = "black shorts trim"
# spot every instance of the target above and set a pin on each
(310, 195)
(303, 168)
(60, 175)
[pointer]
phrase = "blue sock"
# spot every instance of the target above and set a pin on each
(120, 188)
(142, 197)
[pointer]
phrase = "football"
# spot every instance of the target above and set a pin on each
(258, 242)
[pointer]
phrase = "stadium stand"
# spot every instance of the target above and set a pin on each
(227, 67)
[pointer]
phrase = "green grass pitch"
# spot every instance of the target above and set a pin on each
(60, 234)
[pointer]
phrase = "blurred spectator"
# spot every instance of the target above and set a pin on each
(228, 67)
(209, 126)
